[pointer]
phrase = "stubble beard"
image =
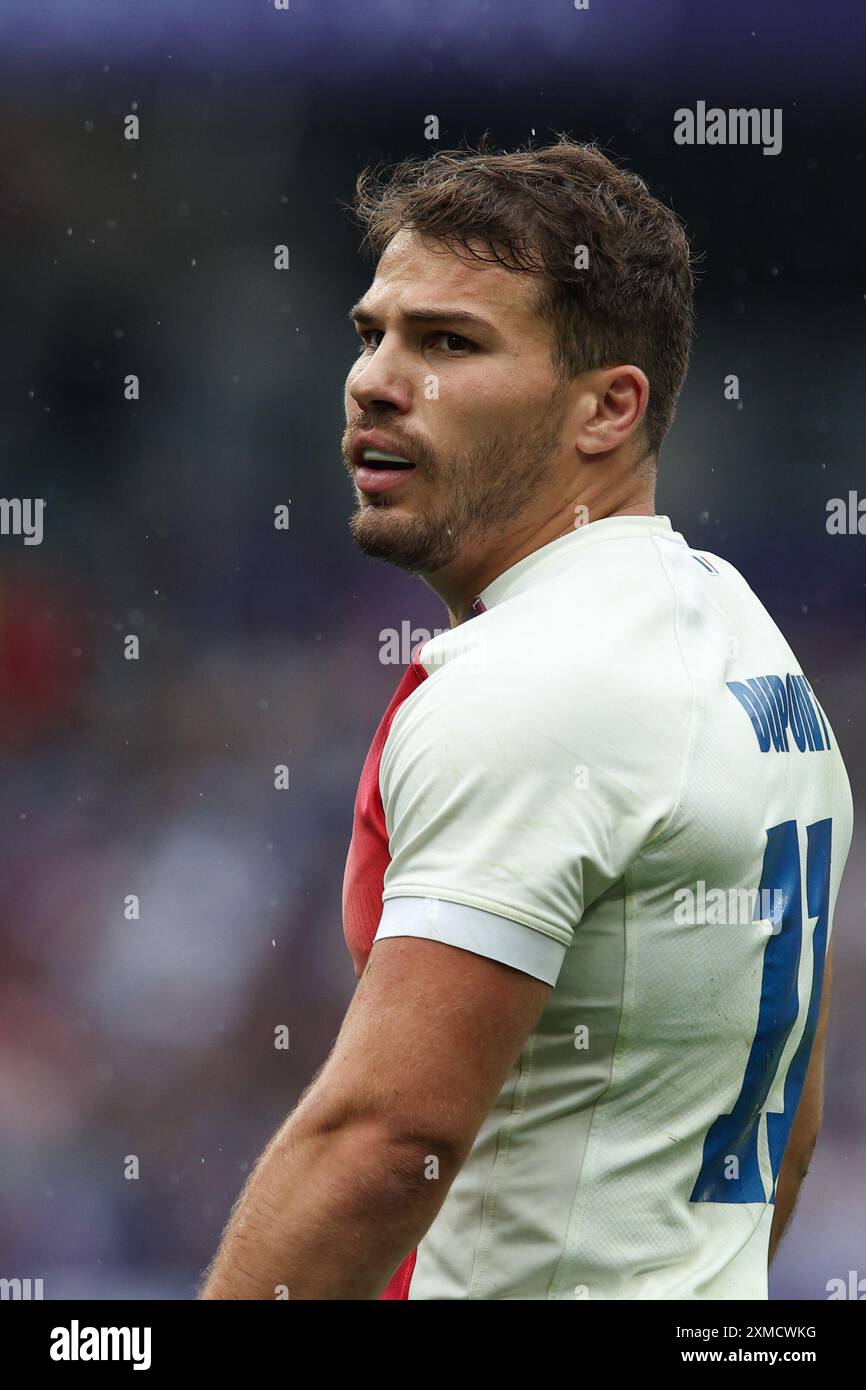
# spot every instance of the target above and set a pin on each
(484, 490)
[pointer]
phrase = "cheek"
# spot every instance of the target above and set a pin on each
(487, 406)
(506, 390)
(524, 390)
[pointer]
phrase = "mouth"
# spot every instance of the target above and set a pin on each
(376, 470)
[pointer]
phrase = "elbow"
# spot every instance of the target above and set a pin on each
(410, 1153)
(413, 1152)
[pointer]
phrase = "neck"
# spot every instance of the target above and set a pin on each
(483, 560)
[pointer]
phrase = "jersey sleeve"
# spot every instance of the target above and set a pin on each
(515, 795)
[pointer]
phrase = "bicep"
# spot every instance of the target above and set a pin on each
(428, 1041)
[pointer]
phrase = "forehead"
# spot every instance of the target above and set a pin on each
(420, 270)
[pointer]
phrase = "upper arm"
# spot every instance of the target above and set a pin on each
(514, 792)
(427, 1043)
(522, 792)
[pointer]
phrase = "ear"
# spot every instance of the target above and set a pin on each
(617, 398)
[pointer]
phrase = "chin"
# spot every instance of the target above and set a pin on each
(387, 533)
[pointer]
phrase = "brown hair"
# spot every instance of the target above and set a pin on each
(529, 211)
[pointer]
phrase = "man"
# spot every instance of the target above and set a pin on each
(600, 831)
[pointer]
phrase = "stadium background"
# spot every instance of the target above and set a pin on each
(155, 1038)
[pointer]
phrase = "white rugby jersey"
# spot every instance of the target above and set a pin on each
(616, 778)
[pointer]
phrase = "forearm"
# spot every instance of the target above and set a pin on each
(326, 1213)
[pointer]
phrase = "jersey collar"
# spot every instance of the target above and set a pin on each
(557, 555)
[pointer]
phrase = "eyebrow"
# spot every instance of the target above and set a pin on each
(358, 314)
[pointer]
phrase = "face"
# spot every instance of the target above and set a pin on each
(453, 375)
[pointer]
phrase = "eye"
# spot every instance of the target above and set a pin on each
(366, 334)
(454, 343)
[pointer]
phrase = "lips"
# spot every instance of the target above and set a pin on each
(375, 441)
(379, 462)
(380, 479)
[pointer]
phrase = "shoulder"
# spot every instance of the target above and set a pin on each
(560, 672)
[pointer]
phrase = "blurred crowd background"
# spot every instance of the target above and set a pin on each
(155, 1037)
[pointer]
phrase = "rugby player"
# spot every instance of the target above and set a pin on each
(599, 834)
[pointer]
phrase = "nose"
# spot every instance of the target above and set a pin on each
(381, 382)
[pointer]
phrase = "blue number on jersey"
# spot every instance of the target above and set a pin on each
(735, 1136)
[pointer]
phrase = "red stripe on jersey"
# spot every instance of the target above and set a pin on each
(398, 1285)
(366, 862)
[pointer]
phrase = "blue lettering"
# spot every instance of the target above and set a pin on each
(776, 704)
(754, 711)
